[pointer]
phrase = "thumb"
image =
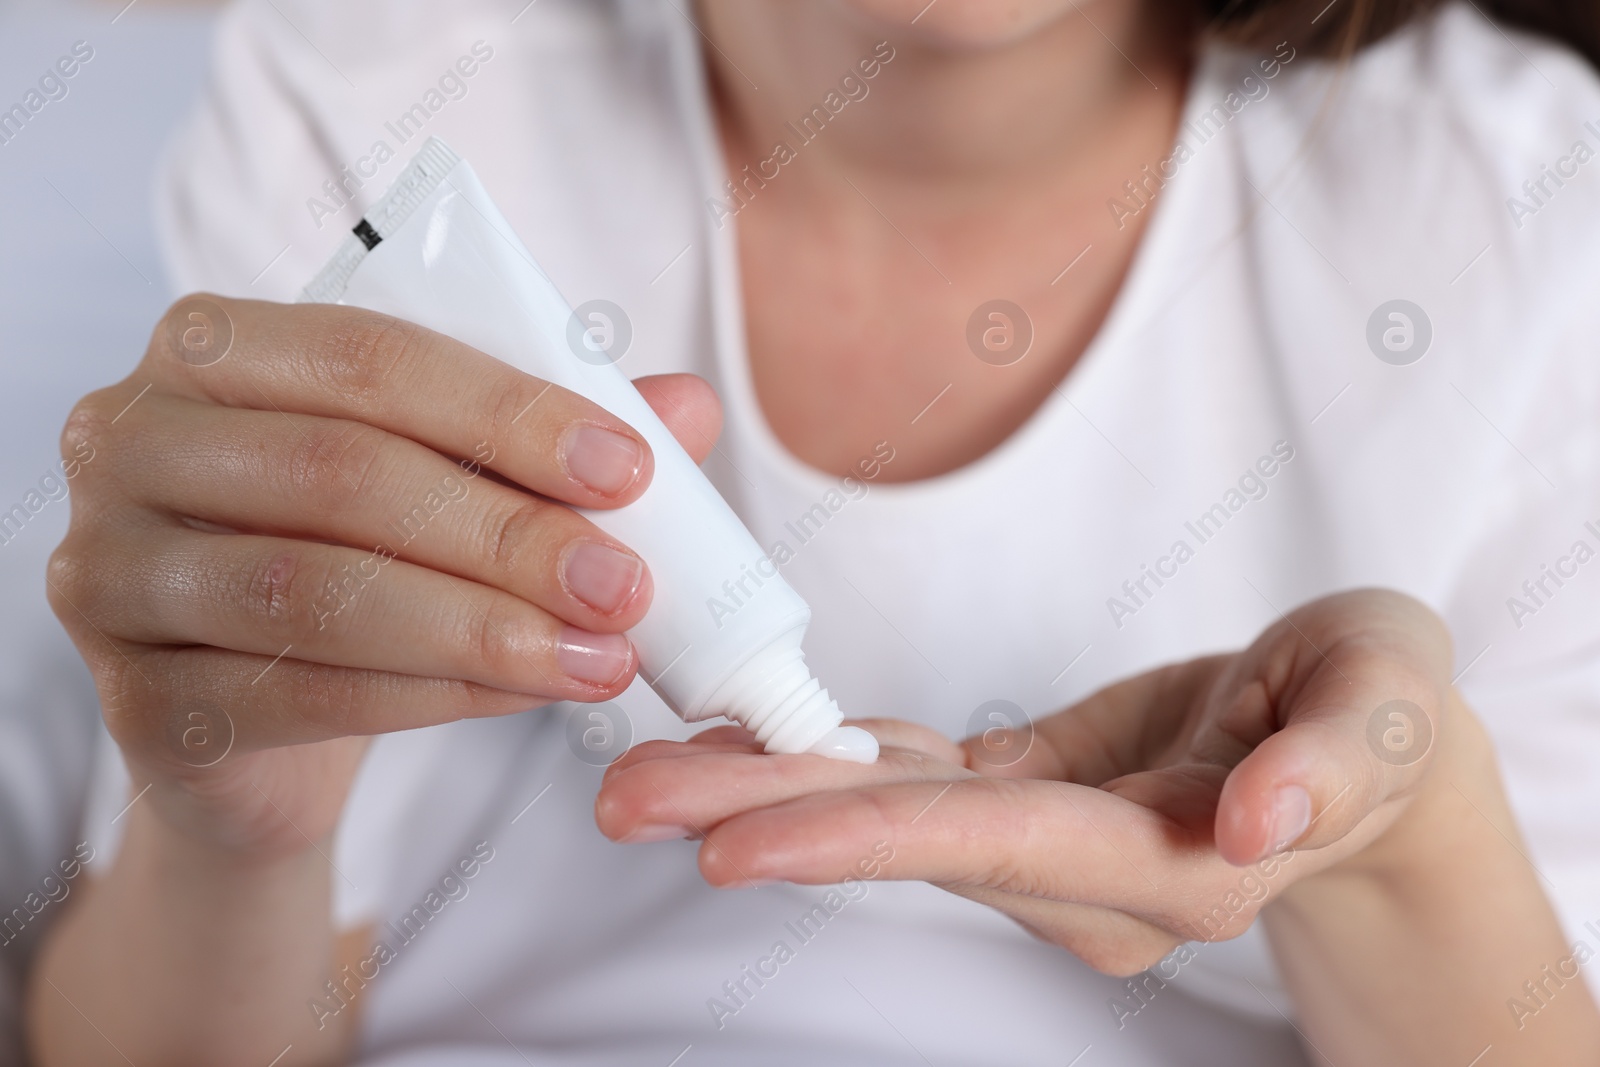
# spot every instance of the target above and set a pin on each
(689, 407)
(1360, 717)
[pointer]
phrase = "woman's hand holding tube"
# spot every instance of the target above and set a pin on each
(1329, 775)
(301, 526)
(347, 525)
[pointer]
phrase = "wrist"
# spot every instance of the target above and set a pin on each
(1449, 832)
(1452, 821)
(165, 849)
(223, 817)
(186, 952)
(1444, 904)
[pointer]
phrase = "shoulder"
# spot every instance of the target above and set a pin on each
(1414, 268)
(1455, 123)
(312, 108)
(1454, 165)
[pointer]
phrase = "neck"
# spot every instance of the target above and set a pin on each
(942, 111)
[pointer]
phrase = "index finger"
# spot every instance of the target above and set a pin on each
(349, 363)
(1053, 840)
(663, 789)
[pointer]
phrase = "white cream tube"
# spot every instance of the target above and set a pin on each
(436, 251)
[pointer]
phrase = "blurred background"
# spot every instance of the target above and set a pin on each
(80, 288)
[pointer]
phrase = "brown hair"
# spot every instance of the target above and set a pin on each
(1342, 27)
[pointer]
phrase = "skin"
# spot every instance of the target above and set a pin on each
(229, 497)
(1121, 831)
(992, 140)
(222, 507)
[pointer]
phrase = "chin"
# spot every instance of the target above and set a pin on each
(970, 24)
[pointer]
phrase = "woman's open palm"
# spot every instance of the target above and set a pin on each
(1117, 827)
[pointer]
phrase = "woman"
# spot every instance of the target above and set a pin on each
(1065, 351)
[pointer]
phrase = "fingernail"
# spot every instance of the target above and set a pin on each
(605, 461)
(1291, 814)
(651, 832)
(601, 576)
(599, 659)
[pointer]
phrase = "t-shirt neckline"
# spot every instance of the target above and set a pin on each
(742, 406)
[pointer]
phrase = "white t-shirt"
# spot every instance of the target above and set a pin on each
(1250, 336)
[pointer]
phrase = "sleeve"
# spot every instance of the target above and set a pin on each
(371, 834)
(1525, 606)
(48, 712)
(1525, 611)
(242, 207)
(311, 109)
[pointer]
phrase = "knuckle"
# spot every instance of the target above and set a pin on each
(127, 720)
(141, 706)
(1122, 961)
(512, 401)
(338, 700)
(280, 592)
(87, 424)
(1119, 944)
(358, 459)
(335, 463)
(1217, 921)
(497, 641)
(490, 643)
(168, 326)
(641, 753)
(358, 354)
(1003, 844)
(472, 700)
(176, 312)
(69, 580)
(513, 532)
(81, 586)
(195, 331)
(130, 707)
(1002, 870)
(1096, 959)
